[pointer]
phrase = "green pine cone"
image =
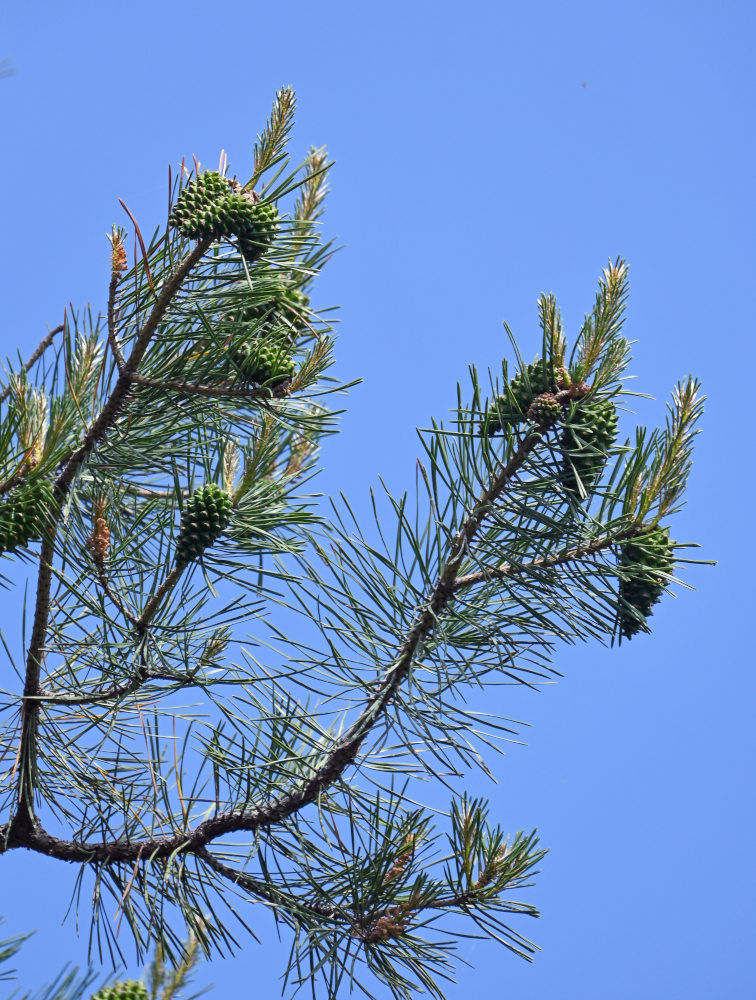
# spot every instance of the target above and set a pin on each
(201, 209)
(256, 225)
(284, 316)
(647, 556)
(23, 513)
(203, 520)
(208, 206)
(537, 379)
(263, 361)
(130, 989)
(589, 433)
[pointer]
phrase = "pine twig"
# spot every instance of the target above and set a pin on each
(575, 554)
(24, 819)
(278, 391)
(38, 352)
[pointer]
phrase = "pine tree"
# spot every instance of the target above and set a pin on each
(229, 696)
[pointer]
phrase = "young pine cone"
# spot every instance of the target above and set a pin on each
(23, 513)
(589, 433)
(130, 989)
(203, 520)
(536, 379)
(647, 557)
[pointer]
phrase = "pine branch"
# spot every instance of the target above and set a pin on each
(24, 819)
(344, 752)
(279, 390)
(575, 554)
(35, 356)
(271, 894)
(519, 537)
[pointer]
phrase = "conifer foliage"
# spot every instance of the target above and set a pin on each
(230, 695)
(160, 981)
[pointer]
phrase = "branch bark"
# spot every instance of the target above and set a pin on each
(278, 391)
(506, 570)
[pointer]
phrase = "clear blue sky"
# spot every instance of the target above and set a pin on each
(485, 152)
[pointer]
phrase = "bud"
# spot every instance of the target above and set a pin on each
(403, 860)
(98, 542)
(118, 259)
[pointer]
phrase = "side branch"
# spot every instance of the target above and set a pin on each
(443, 591)
(546, 562)
(95, 433)
(117, 691)
(344, 752)
(272, 895)
(115, 347)
(278, 391)
(40, 350)
(142, 623)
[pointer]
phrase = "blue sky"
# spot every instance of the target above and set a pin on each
(484, 153)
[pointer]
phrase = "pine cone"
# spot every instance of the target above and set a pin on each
(589, 433)
(537, 379)
(256, 225)
(202, 208)
(209, 206)
(284, 316)
(130, 989)
(544, 409)
(263, 361)
(23, 514)
(647, 556)
(203, 520)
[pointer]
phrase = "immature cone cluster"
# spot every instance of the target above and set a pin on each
(544, 410)
(118, 260)
(402, 861)
(23, 513)
(210, 206)
(98, 542)
(263, 361)
(392, 925)
(203, 520)
(539, 378)
(130, 989)
(493, 869)
(589, 432)
(647, 556)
